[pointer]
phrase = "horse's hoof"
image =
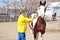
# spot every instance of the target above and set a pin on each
(41, 39)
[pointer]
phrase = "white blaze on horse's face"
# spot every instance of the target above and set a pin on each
(40, 11)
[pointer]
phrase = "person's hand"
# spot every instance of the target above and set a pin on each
(30, 16)
(37, 16)
(32, 28)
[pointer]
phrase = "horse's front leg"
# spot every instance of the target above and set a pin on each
(35, 35)
(42, 37)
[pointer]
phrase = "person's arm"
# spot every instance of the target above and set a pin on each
(28, 19)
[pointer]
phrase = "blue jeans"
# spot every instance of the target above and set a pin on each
(21, 36)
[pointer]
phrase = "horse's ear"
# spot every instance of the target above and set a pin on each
(40, 2)
(44, 2)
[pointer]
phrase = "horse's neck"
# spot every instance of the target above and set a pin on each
(40, 11)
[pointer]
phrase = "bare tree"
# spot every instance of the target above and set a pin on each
(32, 5)
(15, 9)
(6, 2)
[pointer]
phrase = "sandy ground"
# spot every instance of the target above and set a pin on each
(8, 31)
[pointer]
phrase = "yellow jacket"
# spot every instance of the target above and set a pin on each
(22, 23)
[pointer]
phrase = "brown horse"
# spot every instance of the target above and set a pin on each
(40, 25)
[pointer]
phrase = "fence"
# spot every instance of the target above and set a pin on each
(9, 16)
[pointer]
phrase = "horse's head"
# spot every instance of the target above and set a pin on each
(43, 3)
(41, 9)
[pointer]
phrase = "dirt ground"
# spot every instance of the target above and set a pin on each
(8, 31)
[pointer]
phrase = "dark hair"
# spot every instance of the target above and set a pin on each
(22, 11)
